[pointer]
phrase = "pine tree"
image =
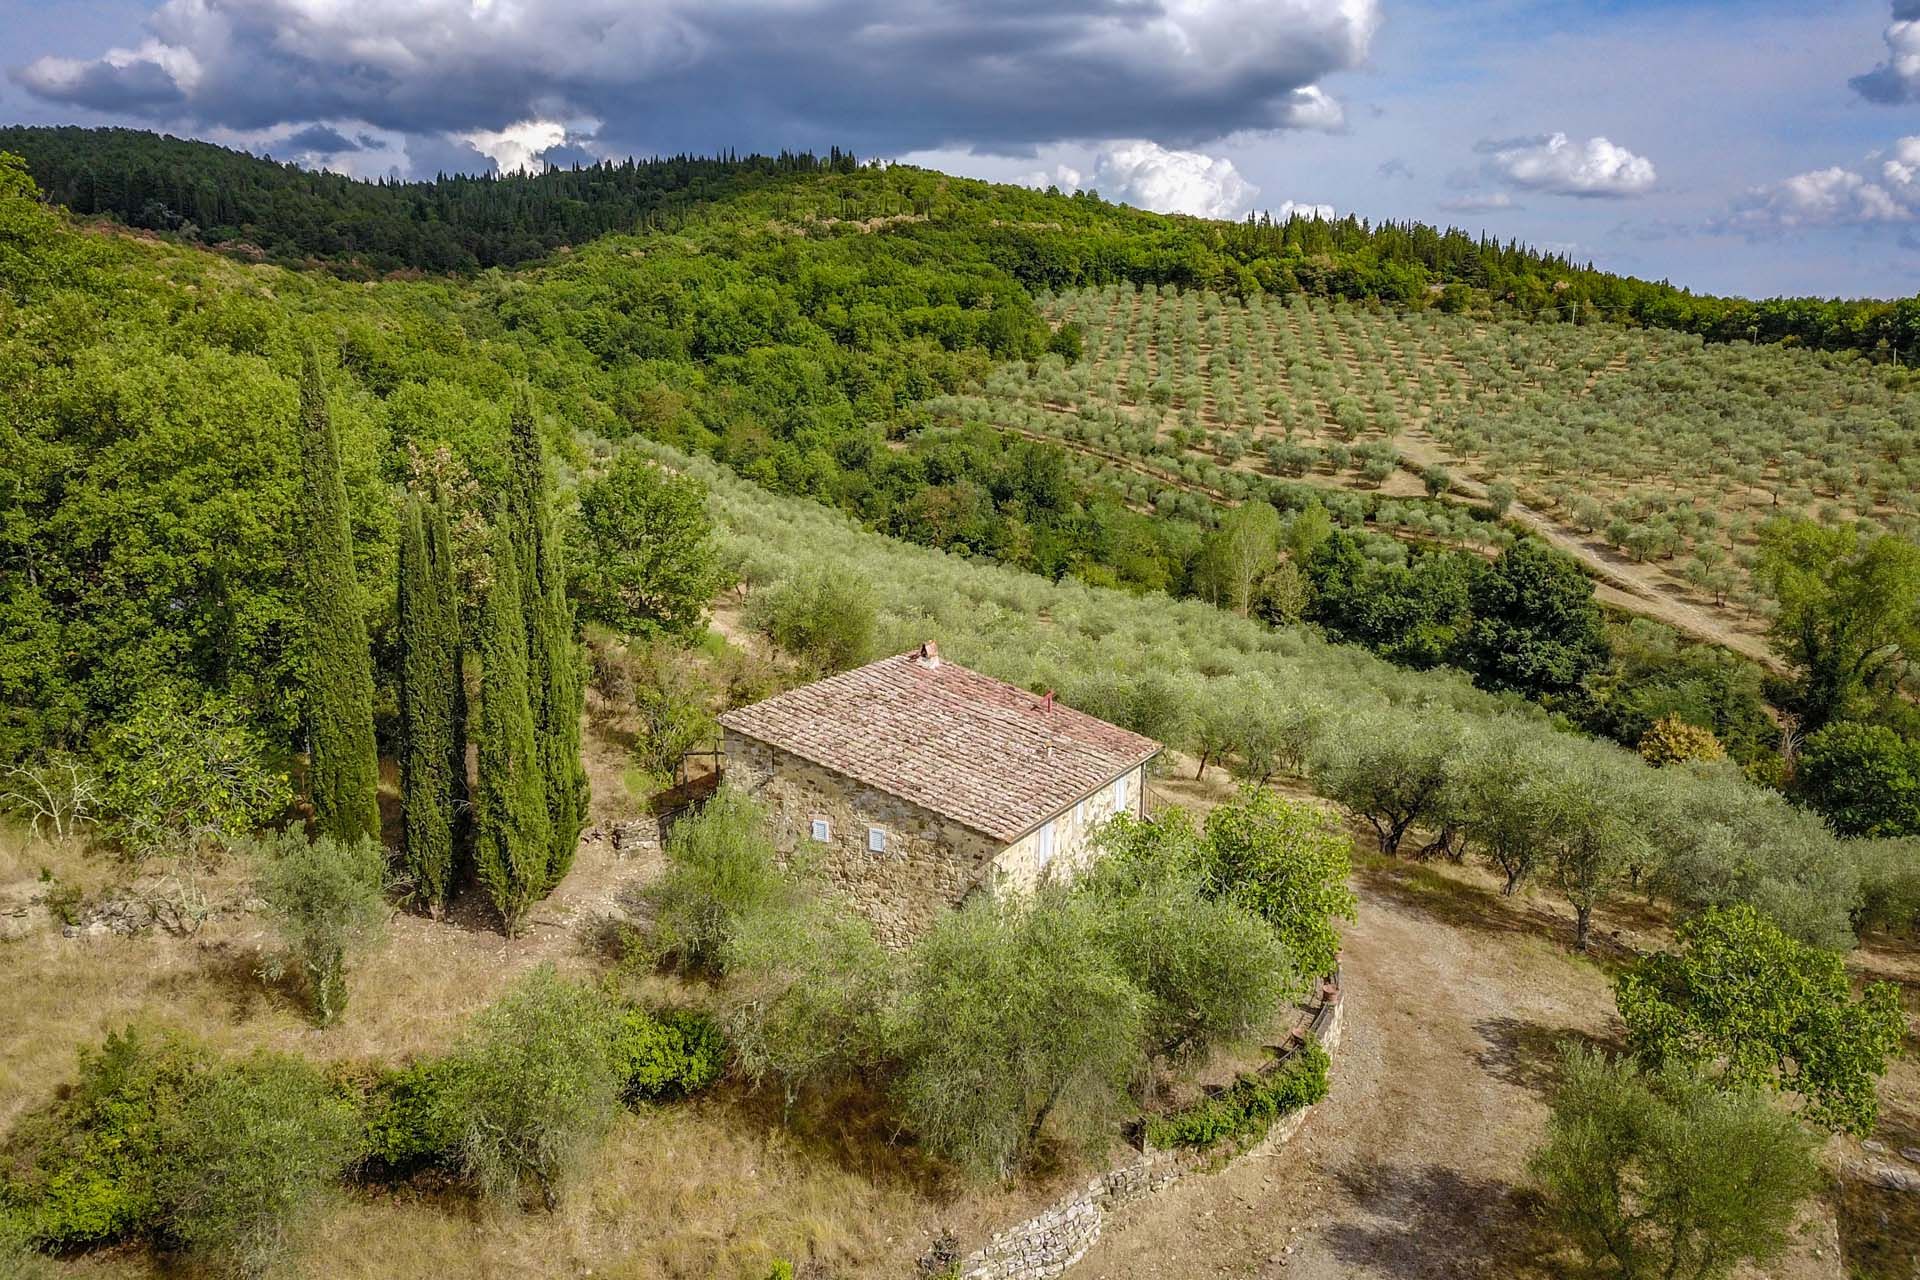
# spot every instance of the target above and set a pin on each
(429, 702)
(513, 838)
(553, 656)
(344, 768)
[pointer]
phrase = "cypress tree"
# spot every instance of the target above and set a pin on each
(429, 722)
(344, 767)
(553, 654)
(512, 839)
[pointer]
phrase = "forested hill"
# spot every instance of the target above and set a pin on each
(458, 224)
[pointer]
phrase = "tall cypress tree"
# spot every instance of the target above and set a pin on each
(513, 838)
(553, 653)
(429, 721)
(344, 768)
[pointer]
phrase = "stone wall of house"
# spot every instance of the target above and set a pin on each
(1046, 1245)
(929, 864)
(1021, 867)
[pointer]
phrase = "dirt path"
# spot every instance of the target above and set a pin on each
(1413, 1165)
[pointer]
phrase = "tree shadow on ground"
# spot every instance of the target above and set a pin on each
(1436, 1221)
(1527, 1055)
(1458, 903)
(247, 981)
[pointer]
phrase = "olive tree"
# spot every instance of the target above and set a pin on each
(1015, 1015)
(1387, 770)
(328, 900)
(1663, 1177)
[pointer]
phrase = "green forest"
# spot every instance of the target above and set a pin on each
(211, 195)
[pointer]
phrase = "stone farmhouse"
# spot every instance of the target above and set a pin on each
(914, 783)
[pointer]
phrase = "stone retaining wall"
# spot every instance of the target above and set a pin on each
(1047, 1244)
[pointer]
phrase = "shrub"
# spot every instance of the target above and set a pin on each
(1249, 1107)
(1014, 1016)
(720, 872)
(1743, 999)
(328, 900)
(253, 1153)
(1889, 883)
(1288, 863)
(535, 1087)
(408, 1121)
(1665, 1176)
(666, 1054)
(825, 617)
(84, 1171)
(1671, 740)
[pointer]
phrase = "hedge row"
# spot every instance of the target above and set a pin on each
(1247, 1108)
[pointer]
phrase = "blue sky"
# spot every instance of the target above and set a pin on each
(1753, 147)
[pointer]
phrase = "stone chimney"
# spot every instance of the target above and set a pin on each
(929, 654)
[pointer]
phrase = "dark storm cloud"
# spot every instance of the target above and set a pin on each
(1896, 80)
(320, 139)
(700, 74)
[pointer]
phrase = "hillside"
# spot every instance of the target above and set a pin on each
(1652, 456)
(213, 195)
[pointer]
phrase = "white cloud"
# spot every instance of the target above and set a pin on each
(1296, 209)
(1556, 164)
(518, 146)
(1154, 177)
(1884, 189)
(1313, 108)
(1479, 202)
(1897, 79)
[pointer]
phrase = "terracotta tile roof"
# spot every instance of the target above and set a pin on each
(987, 754)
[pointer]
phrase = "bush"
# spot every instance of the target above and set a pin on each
(1666, 1176)
(824, 617)
(85, 1170)
(1671, 740)
(408, 1121)
(1744, 1000)
(1889, 883)
(1249, 1107)
(328, 900)
(157, 1142)
(534, 1087)
(1015, 1016)
(253, 1154)
(666, 1054)
(720, 872)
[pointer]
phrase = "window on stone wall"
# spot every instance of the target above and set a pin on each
(876, 839)
(1080, 814)
(1045, 841)
(1120, 792)
(821, 831)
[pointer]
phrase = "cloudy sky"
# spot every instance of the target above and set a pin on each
(1748, 146)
